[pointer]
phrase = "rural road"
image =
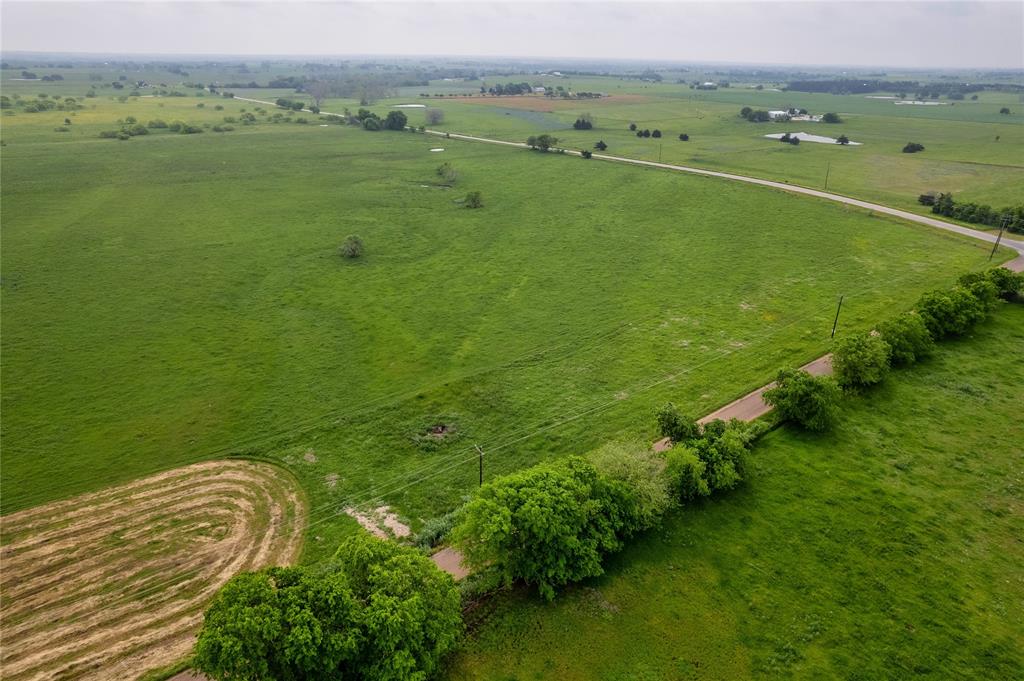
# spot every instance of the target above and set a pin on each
(1016, 265)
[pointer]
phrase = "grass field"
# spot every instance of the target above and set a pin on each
(175, 298)
(889, 548)
(114, 584)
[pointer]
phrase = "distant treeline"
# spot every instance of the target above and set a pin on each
(850, 86)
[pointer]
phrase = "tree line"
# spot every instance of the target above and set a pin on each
(981, 214)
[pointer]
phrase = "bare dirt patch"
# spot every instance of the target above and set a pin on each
(113, 584)
(380, 522)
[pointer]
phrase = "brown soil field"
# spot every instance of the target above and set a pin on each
(112, 585)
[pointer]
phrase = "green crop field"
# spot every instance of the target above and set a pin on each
(174, 298)
(889, 548)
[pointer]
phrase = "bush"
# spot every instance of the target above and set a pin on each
(723, 450)
(685, 473)
(474, 200)
(396, 120)
(600, 146)
(434, 116)
(378, 611)
(156, 124)
(138, 129)
(912, 148)
(811, 401)
(642, 471)
(548, 525)
(108, 134)
(656, 133)
(675, 426)
(1008, 284)
(352, 247)
(372, 124)
(860, 360)
(586, 154)
(684, 137)
(436, 530)
(950, 313)
(908, 338)
(831, 118)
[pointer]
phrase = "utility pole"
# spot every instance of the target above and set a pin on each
(481, 457)
(827, 169)
(1002, 226)
(659, 153)
(836, 322)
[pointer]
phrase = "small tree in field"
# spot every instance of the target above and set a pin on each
(842, 139)
(434, 116)
(352, 247)
(684, 137)
(632, 127)
(811, 401)
(675, 426)
(474, 200)
(600, 146)
(548, 525)
(861, 360)
(908, 338)
(831, 118)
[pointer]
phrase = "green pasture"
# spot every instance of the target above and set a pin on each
(887, 549)
(172, 298)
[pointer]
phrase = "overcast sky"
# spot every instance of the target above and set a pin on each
(825, 32)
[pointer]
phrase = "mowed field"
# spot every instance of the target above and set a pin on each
(887, 549)
(113, 584)
(176, 298)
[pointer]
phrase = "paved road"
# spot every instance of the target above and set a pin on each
(1017, 265)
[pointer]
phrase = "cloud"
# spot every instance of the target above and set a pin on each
(912, 34)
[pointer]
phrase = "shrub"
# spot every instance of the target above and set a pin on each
(448, 173)
(176, 126)
(474, 200)
(600, 146)
(912, 148)
(586, 154)
(949, 313)
(674, 425)
(831, 118)
(908, 338)
(138, 129)
(811, 401)
(632, 127)
(685, 473)
(642, 471)
(723, 450)
(860, 360)
(434, 116)
(541, 142)
(656, 133)
(436, 530)
(372, 124)
(1005, 110)
(108, 134)
(377, 611)
(156, 124)
(548, 525)
(396, 120)
(352, 247)
(1008, 284)
(684, 137)
(123, 135)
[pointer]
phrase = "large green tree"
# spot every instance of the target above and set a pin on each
(548, 525)
(376, 612)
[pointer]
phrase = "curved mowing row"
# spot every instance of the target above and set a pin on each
(113, 584)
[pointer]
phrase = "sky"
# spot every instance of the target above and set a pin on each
(920, 34)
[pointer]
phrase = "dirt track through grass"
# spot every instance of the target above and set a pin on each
(113, 584)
